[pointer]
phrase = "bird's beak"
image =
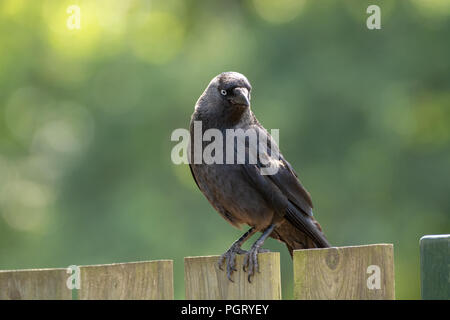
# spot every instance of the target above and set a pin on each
(240, 96)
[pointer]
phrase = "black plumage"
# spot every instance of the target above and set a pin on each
(275, 204)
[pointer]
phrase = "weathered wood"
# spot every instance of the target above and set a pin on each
(435, 267)
(34, 284)
(148, 280)
(345, 273)
(204, 280)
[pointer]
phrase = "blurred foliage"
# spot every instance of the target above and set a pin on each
(86, 117)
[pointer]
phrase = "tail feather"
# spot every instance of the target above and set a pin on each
(307, 225)
(296, 235)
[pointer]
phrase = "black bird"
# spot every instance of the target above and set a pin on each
(275, 204)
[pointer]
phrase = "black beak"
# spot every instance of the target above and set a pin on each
(240, 96)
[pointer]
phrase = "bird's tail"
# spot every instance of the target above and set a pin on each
(295, 239)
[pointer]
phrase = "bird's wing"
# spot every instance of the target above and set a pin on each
(288, 182)
(284, 191)
(286, 178)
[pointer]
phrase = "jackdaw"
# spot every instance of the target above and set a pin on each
(275, 204)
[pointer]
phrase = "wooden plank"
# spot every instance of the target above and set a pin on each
(204, 280)
(435, 267)
(149, 280)
(345, 273)
(34, 284)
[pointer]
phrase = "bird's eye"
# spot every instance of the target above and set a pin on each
(223, 92)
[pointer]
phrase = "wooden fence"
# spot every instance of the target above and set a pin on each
(360, 272)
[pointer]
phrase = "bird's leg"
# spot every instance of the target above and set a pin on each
(251, 257)
(230, 255)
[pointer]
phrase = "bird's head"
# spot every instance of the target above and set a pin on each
(228, 94)
(233, 88)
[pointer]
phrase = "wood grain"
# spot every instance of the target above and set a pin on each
(435, 267)
(204, 280)
(148, 280)
(34, 284)
(343, 273)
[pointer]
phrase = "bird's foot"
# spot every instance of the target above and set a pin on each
(251, 260)
(230, 258)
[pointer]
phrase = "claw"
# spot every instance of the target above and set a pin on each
(251, 261)
(230, 258)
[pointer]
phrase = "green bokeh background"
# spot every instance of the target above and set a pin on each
(86, 117)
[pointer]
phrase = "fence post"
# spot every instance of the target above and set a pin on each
(435, 267)
(345, 273)
(34, 284)
(147, 280)
(204, 280)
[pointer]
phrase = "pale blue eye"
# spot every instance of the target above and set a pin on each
(223, 92)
